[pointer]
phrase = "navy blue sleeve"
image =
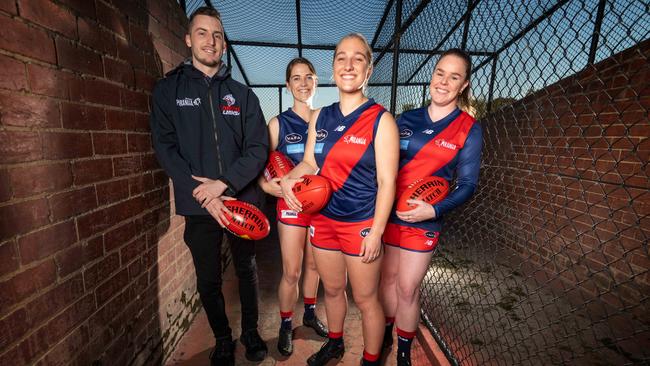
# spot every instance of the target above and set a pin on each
(165, 141)
(467, 172)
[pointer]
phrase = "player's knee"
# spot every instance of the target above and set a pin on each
(291, 275)
(407, 292)
(334, 290)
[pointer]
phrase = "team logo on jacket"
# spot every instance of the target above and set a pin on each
(446, 144)
(321, 135)
(230, 109)
(188, 102)
(292, 138)
(351, 139)
(363, 233)
(405, 133)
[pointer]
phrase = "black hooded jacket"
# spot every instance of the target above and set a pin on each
(208, 127)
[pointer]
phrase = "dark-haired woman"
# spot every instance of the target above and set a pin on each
(288, 135)
(438, 140)
(354, 144)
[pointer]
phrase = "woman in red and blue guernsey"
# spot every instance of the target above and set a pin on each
(288, 135)
(438, 140)
(355, 145)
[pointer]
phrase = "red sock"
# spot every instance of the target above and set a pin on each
(335, 335)
(370, 357)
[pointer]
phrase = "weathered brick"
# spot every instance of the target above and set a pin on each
(112, 19)
(96, 37)
(26, 283)
(53, 301)
(19, 218)
(26, 40)
(139, 142)
(71, 345)
(127, 165)
(75, 257)
(13, 327)
(119, 71)
(109, 143)
(101, 92)
(19, 146)
(45, 242)
(71, 203)
(83, 7)
(50, 15)
(111, 192)
(82, 117)
(28, 180)
(112, 286)
(12, 74)
(78, 58)
(8, 258)
(49, 81)
(134, 100)
(66, 145)
(29, 111)
(120, 120)
(91, 171)
(100, 271)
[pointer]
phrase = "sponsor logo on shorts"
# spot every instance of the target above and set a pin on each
(363, 233)
(312, 230)
(405, 133)
(293, 138)
(431, 234)
(321, 135)
(188, 102)
(288, 214)
(446, 144)
(428, 243)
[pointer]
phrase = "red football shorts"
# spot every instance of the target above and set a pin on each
(289, 217)
(410, 238)
(330, 234)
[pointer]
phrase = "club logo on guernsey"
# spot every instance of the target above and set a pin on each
(230, 109)
(293, 138)
(321, 135)
(351, 139)
(405, 133)
(446, 144)
(363, 233)
(188, 102)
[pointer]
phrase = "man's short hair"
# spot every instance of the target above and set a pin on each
(204, 10)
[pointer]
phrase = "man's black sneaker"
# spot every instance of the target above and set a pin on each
(223, 353)
(285, 343)
(315, 324)
(329, 351)
(255, 347)
(403, 359)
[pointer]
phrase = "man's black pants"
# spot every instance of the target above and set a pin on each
(204, 237)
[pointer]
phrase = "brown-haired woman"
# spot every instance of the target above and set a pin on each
(438, 140)
(288, 135)
(354, 144)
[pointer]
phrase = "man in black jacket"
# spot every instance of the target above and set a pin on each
(209, 135)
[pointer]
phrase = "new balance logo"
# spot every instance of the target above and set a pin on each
(428, 132)
(339, 128)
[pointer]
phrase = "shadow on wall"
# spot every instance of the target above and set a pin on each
(93, 268)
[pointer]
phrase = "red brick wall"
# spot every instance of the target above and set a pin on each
(565, 182)
(92, 263)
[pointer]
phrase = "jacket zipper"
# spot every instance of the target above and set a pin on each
(214, 127)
